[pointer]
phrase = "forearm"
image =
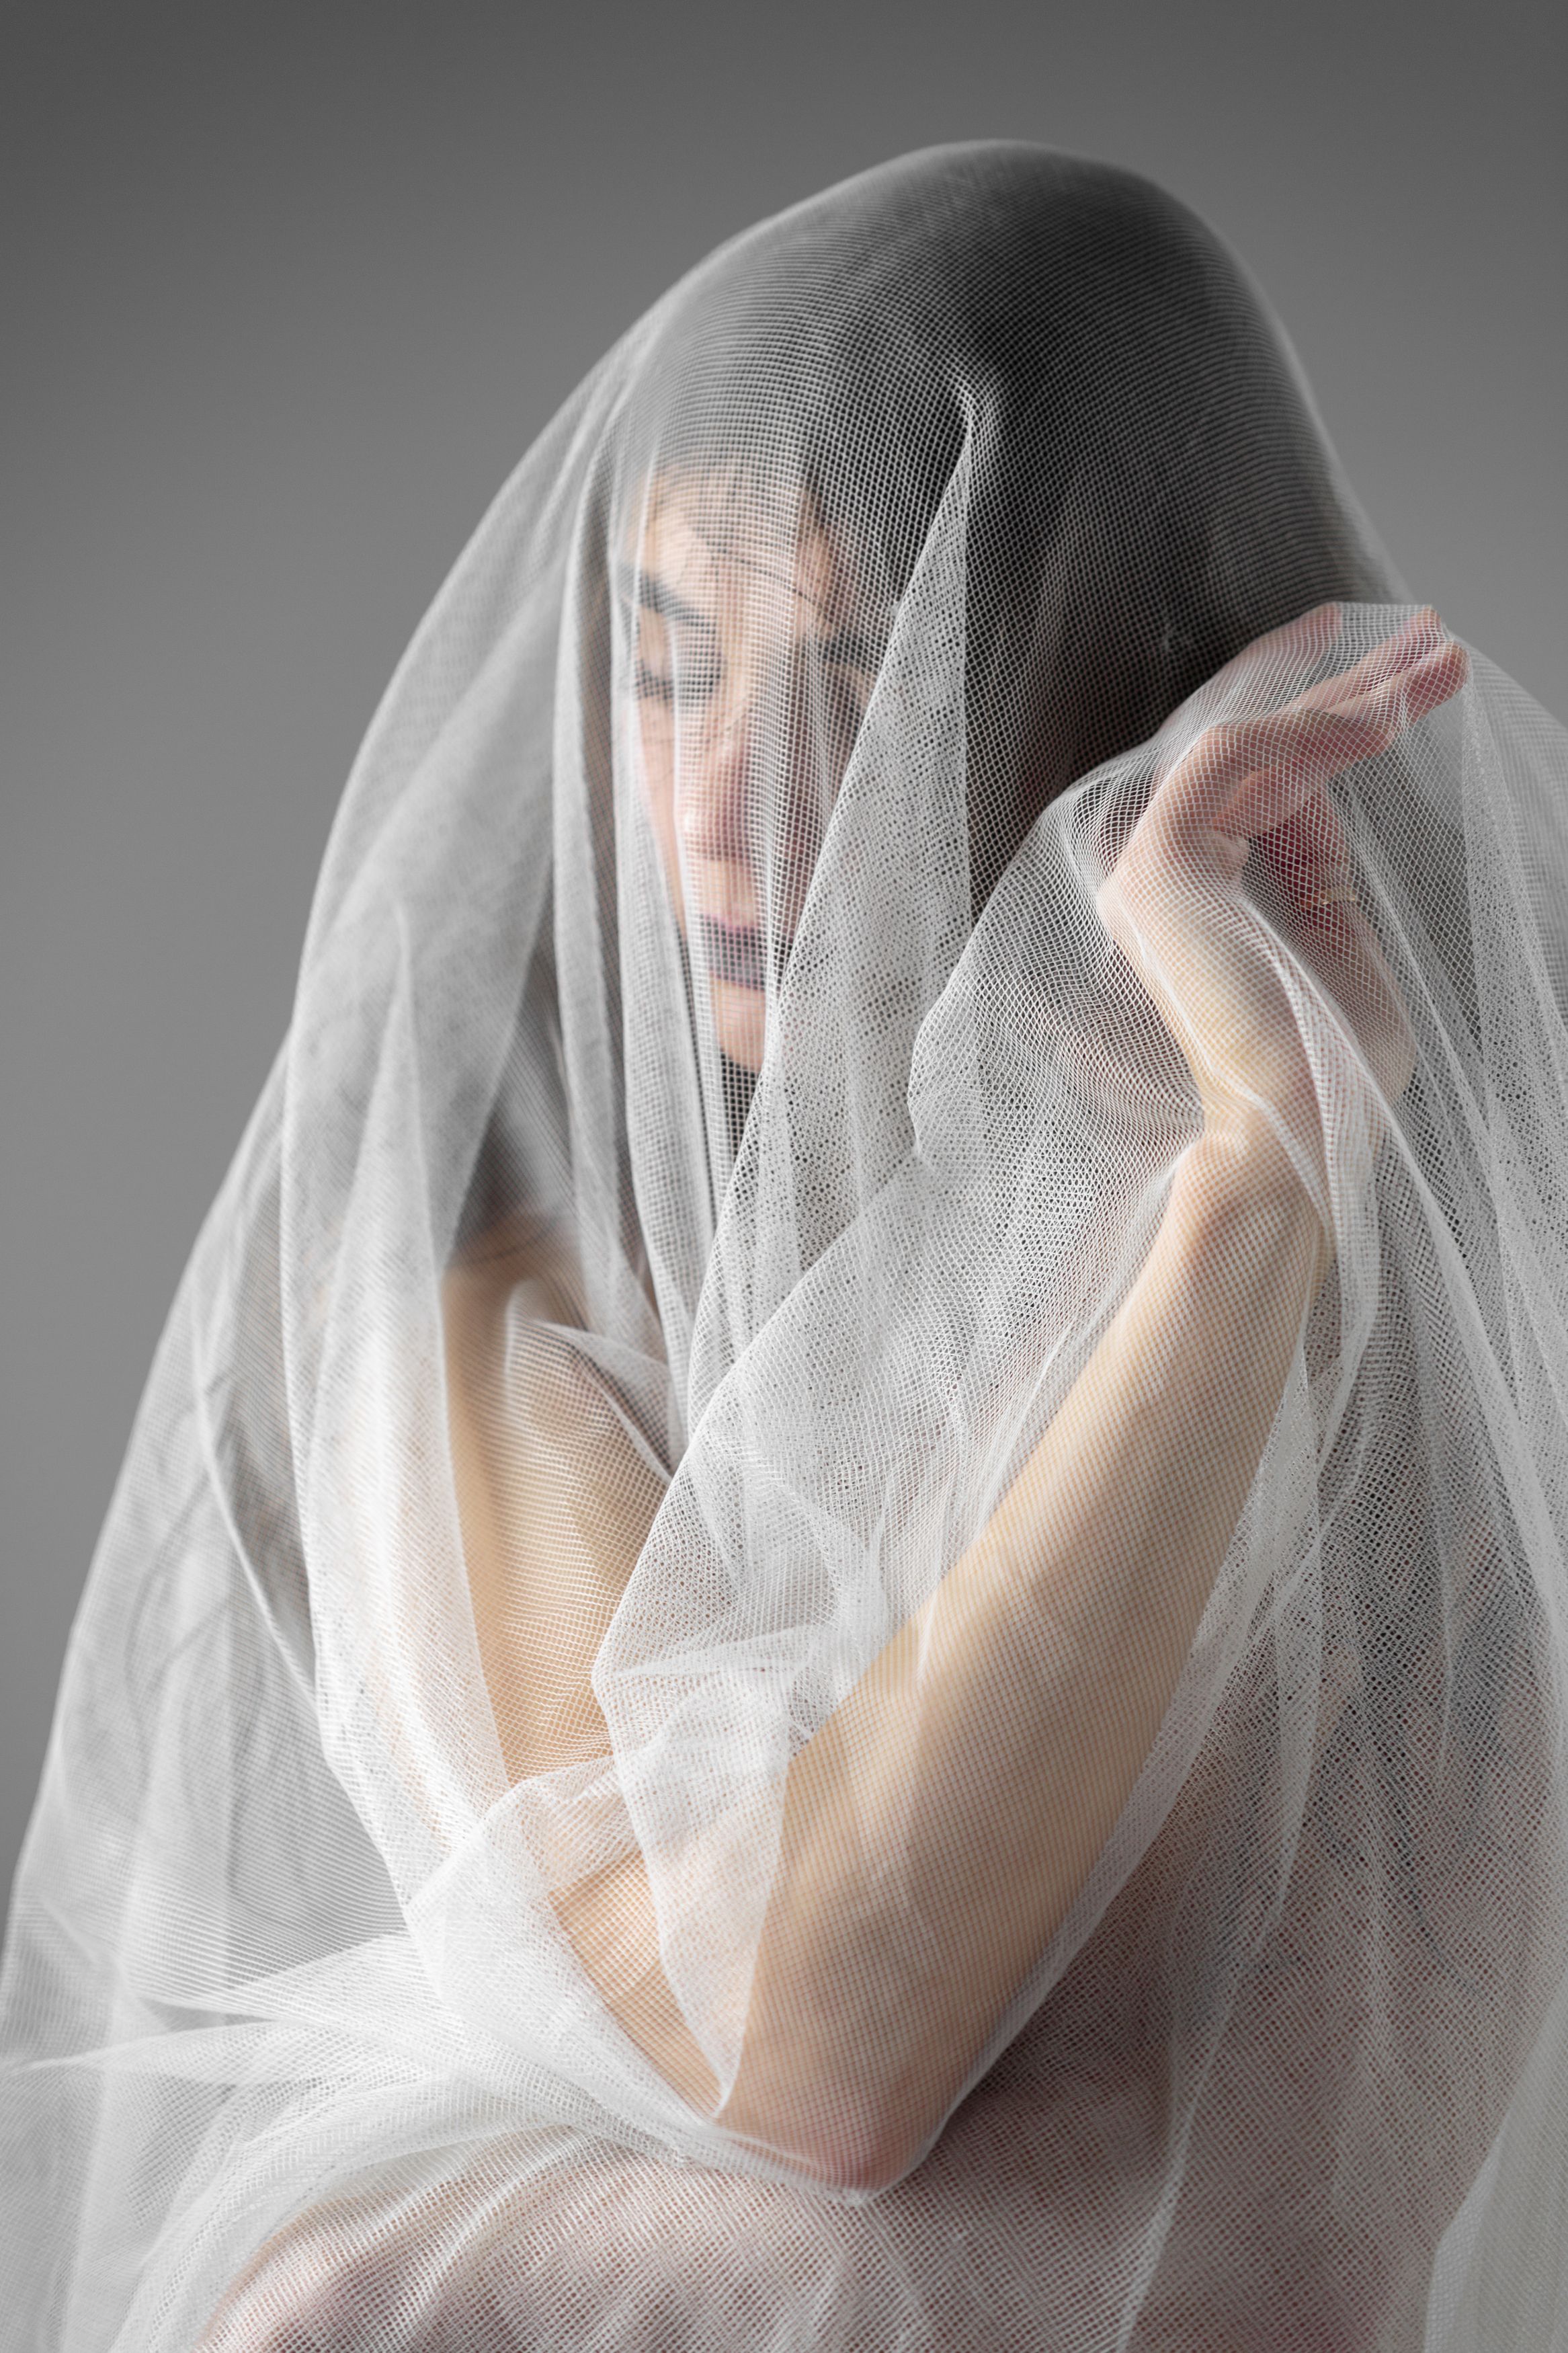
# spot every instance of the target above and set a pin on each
(1079, 1602)
(987, 1753)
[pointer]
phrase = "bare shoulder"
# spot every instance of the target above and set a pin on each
(527, 1246)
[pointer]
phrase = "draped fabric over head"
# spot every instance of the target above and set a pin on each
(628, 1309)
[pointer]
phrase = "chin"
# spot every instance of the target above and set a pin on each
(740, 1018)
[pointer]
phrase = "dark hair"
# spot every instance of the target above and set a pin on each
(1150, 491)
(1137, 391)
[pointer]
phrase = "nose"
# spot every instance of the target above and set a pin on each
(712, 776)
(753, 773)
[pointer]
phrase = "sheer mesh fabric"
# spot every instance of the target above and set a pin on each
(837, 1617)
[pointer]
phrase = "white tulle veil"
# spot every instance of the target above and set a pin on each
(300, 2046)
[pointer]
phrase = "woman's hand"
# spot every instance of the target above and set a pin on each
(1173, 901)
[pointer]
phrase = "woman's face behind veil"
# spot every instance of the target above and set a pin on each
(1146, 491)
(749, 657)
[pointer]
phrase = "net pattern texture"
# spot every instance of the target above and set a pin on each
(838, 1616)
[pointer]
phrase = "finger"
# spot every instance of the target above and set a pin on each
(1308, 859)
(1421, 635)
(1426, 682)
(1247, 778)
(1284, 757)
(1380, 713)
(1309, 849)
(1311, 633)
(1327, 742)
(1305, 638)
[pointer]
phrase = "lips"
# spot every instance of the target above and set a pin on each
(734, 953)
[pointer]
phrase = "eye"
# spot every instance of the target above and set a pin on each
(849, 674)
(850, 682)
(697, 669)
(846, 696)
(670, 660)
(852, 662)
(853, 649)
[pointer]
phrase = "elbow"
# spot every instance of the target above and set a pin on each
(849, 2176)
(804, 2099)
(887, 2138)
(856, 2179)
(850, 2160)
(888, 2161)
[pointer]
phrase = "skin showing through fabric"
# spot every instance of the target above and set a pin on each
(1105, 1548)
(837, 1617)
(750, 660)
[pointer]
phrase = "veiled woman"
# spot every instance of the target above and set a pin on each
(839, 1616)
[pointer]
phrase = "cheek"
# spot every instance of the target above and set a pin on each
(654, 767)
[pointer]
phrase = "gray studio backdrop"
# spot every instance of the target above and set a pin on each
(288, 290)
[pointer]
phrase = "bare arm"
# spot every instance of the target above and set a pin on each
(1079, 1600)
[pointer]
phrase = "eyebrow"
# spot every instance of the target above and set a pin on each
(855, 646)
(655, 596)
